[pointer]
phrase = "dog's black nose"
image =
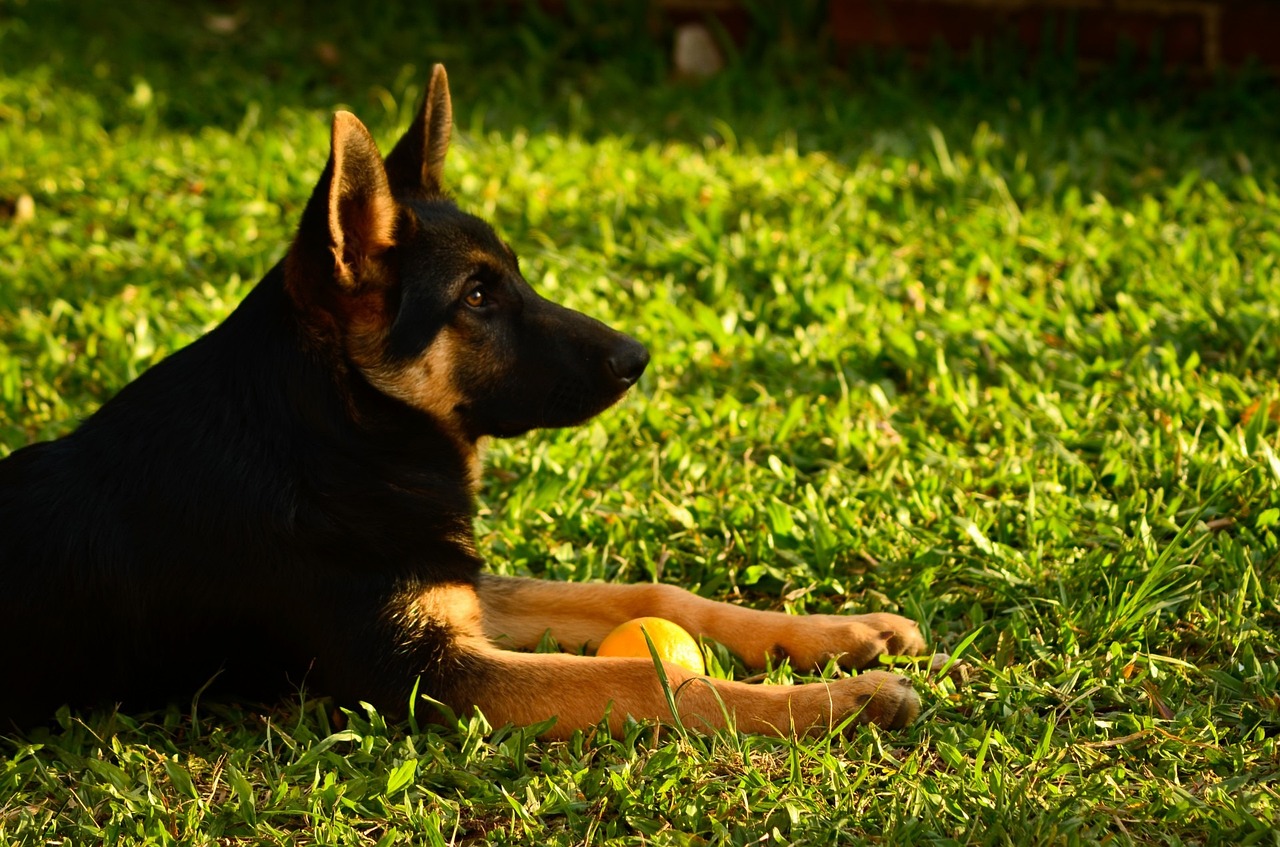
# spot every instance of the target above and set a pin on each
(628, 362)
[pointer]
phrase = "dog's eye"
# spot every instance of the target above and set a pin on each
(476, 298)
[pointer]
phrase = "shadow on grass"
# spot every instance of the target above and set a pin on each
(604, 72)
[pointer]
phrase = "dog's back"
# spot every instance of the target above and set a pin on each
(97, 526)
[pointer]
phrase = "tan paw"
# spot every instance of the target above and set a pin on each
(855, 641)
(885, 699)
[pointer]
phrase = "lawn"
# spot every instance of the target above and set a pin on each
(989, 344)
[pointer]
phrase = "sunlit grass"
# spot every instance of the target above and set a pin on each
(1000, 355)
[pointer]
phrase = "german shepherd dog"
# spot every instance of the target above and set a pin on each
(289, 499)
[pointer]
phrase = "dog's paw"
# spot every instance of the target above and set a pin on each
(885, 699)
(855, 641)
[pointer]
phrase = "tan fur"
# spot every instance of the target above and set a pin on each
(580, 691)
(362, 212)
(475, 468)
(456, 603)
(425, 383)
(518, 612)
(346, 245)
(523, 688)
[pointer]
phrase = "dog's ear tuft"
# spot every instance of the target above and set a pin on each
(416, 165)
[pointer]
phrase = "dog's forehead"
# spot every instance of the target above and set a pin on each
(443, 228)
(440, 253)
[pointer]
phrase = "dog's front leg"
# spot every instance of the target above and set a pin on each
(441, 627)
(580, 691)
(518, 612)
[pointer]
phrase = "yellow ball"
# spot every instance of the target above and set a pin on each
(672, 643)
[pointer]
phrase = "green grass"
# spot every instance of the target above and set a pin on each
(991, 345)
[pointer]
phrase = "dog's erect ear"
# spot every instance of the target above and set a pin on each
(416, 165)
(350, 219)
(362, 212)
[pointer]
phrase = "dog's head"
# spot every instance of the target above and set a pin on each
(427, 304)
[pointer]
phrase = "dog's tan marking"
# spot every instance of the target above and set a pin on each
(475, 467)
(579, 691)
(455, 603)
(425, 383)
(519, 612)
(445, 615)
(523, 688)
(484, 260)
